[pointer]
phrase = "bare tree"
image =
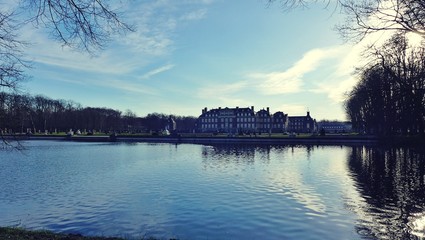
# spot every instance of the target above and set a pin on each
(80, 24)
(389, 97)
(369, 16)
(12, 64)
(83, 24)
(291, 4)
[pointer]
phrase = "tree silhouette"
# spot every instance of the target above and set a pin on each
(368, 16)
(84, 25)
(390, 96)
(12, 64)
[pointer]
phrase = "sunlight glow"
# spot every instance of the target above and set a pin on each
(417, 225)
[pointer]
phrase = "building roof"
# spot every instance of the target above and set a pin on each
(235, 110)
(279, 114)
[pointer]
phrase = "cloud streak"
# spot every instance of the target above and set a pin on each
(158, 71)
(291, 80)
(157, 25)
(287, 81)
(195, 15)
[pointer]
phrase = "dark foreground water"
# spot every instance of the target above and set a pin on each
(214, 192)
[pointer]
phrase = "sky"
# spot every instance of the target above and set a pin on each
(186, 55)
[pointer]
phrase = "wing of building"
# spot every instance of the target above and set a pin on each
(302, 124)
(335, 127)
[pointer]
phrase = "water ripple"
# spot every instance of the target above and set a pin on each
(200, 192)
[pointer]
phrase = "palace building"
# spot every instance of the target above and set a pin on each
(241, 120)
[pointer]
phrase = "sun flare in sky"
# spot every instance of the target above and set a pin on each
(187, 55)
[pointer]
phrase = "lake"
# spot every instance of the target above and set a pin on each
(190, 191)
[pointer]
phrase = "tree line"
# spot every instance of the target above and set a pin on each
(39, 114)
(388, 99)
(390, 95)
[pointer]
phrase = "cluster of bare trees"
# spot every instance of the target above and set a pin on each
(84, 25)
(390, 96)
(39, 114)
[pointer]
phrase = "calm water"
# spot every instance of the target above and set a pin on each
(214, 192)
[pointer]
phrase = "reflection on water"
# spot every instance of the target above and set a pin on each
(391, 184)
(215, 191)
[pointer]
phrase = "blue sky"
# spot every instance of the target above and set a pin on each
(186, 55)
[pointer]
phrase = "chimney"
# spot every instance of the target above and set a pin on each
(252, 108)
(204, 110)
(268, 110)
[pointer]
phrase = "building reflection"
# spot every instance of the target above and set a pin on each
(391, 184)
(245, 153)
(224, 154)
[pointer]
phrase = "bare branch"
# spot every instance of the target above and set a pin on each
(12, 65)
(364, 17)
(371, 16)
(84, 24)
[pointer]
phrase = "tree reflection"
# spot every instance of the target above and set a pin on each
(391, 182)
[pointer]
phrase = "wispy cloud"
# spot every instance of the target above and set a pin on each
(157, 25)
(341, 77)
(126, 86)
(276, 82)
(47, 52)
(225, 94)
(158, 22)
(195, 15)
(158, 71)
(291, 80)
(219, 90)
(293, 109)
(339, 73)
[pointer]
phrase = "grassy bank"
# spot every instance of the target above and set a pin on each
(22, 234)
(209, 138)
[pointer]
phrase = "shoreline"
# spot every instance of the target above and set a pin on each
(17, 233)
(312, 140)
(269, 140)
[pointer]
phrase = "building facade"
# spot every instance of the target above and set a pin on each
(241, 120)
(280, 122)
(264, 121)
(228, 120)
(302, 124)
(335, 127)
